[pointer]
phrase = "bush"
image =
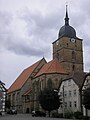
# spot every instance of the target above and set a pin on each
(78, 115)
(57, 115)
(60, 115)
(69, 115)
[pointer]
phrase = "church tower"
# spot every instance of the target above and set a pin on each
(68, 48)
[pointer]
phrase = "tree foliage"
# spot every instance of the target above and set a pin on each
(49, 100)
(8, 104)
(86, 98)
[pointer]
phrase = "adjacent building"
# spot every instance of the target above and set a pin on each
(71, 92)
(85, 85)
(2, 97)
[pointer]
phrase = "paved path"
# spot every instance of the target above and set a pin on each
(27, 117)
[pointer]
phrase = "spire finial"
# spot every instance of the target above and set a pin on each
(66, 17)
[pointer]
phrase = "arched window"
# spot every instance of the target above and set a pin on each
(49, 83)
(56, 83)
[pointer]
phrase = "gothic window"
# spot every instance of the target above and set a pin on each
(49, 83)
(56, 82)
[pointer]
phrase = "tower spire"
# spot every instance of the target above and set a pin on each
(66, 17)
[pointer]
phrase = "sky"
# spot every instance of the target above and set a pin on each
(28, 28)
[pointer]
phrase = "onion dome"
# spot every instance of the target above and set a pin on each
(67, 30)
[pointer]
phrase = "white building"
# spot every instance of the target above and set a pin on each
(70, 92)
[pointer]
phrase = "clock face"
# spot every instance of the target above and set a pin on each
(57, 43)
(72, 40)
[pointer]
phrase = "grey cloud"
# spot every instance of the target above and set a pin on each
(19, 45)
(41, 26)
(41, 30)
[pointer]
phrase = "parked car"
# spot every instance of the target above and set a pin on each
(12, 111)
(38, 113)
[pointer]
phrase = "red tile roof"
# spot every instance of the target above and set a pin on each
(51, 67)
(19, 82)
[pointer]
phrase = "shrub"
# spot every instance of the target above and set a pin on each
(57, 115)
(69, 115)
(78, 115)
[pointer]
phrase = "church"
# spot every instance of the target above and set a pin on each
(67, 58)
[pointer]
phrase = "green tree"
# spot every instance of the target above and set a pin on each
(49, 100)
(8, 104)
(86, 98)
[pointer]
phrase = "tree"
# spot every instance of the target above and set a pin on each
(86, 98)
(49, 100)
(8, 104)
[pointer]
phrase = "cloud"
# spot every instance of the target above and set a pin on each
(27, 30)
(13, 38)
(29, 34)
(5, 19)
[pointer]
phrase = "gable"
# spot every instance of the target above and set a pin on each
(78, 77)
(23, 77)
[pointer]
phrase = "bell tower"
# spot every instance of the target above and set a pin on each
(68, 48)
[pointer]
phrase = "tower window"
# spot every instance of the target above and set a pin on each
(73, 55)
(73, 67)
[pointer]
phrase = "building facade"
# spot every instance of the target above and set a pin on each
(71, 93)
